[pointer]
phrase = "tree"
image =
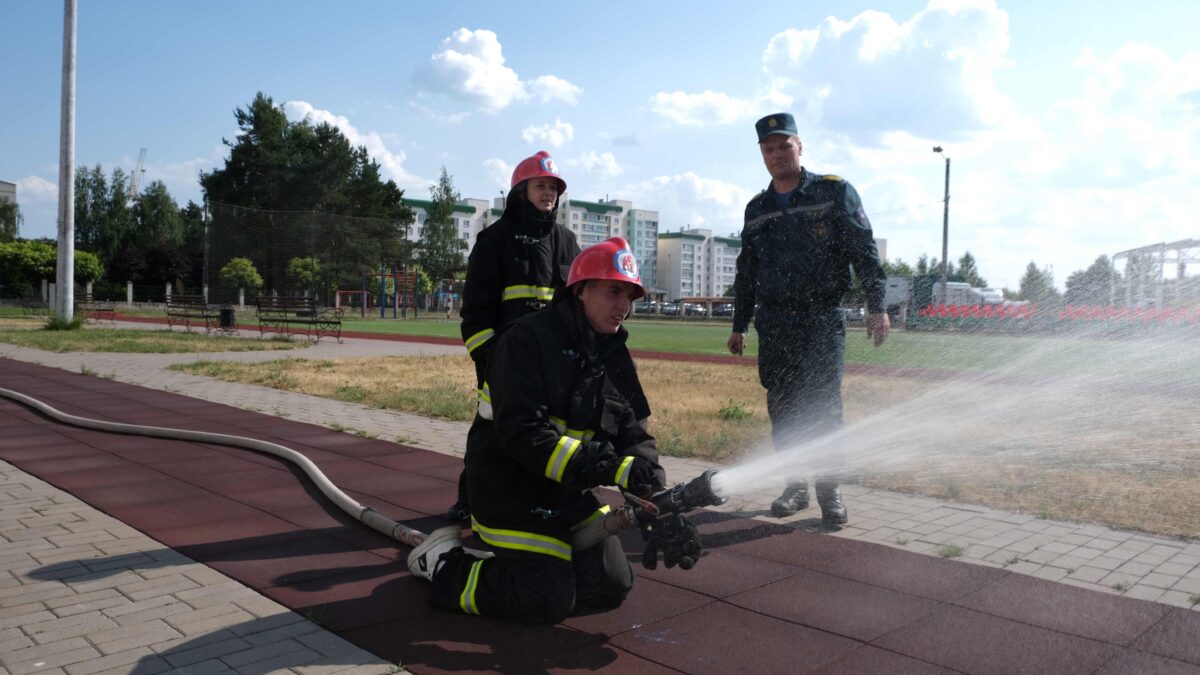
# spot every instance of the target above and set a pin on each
(440, 250)
(1037, 286)
(303, 273)
(922, 265)
(276, 165)
(157, 217)
(240, 273)
(1092, 286)
(10, 220)
(91, 205)
(117, 223)
(898, 269)
(968, 273)
(729, 291)
(23, 264)
(192, 225)
(88, 267)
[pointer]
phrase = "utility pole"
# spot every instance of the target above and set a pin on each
(65, 276)
(944, 277)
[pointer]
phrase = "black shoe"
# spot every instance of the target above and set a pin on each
(833, 509)
(793, 499)
(460, 511)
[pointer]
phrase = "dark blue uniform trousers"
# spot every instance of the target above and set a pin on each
(800, 357)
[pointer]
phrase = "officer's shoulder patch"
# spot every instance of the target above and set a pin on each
(831, 177)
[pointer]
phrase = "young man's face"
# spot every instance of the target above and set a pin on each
(781, 155)
(606, 303)
(542, 193)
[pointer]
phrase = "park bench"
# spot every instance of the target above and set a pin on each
(32, 304)
(289, 316)
(191, 310)
(92, 309)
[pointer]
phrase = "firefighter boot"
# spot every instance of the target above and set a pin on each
(425, 560)
(793, 499)
(833, 509)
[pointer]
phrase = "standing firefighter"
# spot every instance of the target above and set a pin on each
(801, 237)
(514, 269)
(563, 387)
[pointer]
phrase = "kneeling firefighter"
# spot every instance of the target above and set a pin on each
(564, 421)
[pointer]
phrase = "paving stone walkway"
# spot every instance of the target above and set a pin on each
(52, 624)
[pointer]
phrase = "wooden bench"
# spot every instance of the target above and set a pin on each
(289, 316)
(95, 310)
(191, 310)
(34, 305)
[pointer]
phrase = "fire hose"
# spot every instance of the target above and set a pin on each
(636, 512)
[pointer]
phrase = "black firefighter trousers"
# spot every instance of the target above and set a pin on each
(533, 587)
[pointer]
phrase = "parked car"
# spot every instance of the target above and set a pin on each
(694, 309)
(669, 309)
(644, 307)
(723, 309)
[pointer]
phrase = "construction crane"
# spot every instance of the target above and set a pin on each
(137, 172)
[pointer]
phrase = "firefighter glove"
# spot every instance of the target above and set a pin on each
(597, 465)
(637, 475)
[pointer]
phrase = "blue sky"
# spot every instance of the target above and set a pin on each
(1074, 129)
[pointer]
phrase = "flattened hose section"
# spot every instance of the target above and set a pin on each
(364, 514)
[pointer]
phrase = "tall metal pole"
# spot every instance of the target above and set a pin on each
(65, 277)
(946, 233)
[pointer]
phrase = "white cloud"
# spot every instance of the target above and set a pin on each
(555, 135)
(550, 88)
(37, 190)
(931, 75)
(391, 163)
(499, 172)
(697, 109)
(622, 140)
(469, 66)
(690, 199)
(603, 164)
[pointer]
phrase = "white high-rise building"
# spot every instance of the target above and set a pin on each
(470, 217)
(694, 263)
(592, 223)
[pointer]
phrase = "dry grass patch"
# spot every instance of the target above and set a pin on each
(439, 386)
(22, 323)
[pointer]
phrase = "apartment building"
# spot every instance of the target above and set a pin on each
(592, 222)
(695, 263)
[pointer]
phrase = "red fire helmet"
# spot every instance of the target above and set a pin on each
(610, 259)
(541, 164)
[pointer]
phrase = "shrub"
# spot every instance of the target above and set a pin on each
(240, 273)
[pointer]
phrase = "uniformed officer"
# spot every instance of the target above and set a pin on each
(563, 387)
(800, 239)
(515, 267)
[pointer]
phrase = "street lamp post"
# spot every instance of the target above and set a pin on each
(945, 228)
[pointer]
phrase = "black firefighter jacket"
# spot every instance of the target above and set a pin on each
(797, 258)
(515, 267)
(552, 393)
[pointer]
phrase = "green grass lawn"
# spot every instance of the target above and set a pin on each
(128, 341)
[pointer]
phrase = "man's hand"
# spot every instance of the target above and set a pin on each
(737, 344)
(878, 327)
(643, 481)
